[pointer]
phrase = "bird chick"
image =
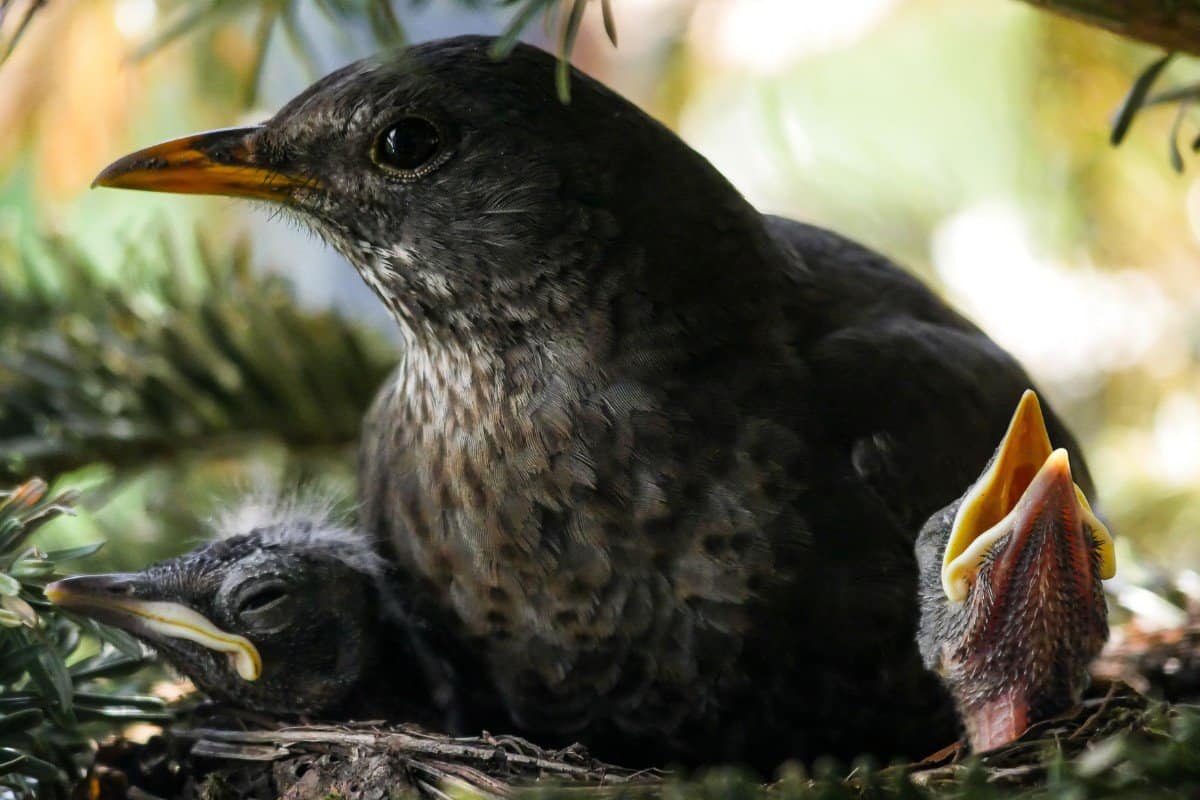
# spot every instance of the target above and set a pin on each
(285, 613)
(1012, 608)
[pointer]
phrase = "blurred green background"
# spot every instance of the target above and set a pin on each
(169, 354)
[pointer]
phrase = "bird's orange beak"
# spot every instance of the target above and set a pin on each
(221, 162)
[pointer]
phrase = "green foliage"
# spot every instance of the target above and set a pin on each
(187, 17)
(564, 16)
(569, 15)
(1140, 97)
(46, 673)
(171, 351)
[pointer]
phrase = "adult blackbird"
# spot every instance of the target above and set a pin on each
(287, 611)
(1012, 610)
(654, 460)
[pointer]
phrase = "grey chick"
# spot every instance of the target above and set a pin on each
(288, 611)
(1012, 609)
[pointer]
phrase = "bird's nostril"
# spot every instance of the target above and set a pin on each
(221, 155)
(119, 589)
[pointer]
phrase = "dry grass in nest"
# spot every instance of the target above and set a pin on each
(1106, 739)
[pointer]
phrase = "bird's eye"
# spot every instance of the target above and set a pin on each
(411, 146)
(263, 599)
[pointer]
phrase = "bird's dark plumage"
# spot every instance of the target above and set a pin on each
(655, 461)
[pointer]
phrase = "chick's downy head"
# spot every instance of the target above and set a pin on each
(275, 616)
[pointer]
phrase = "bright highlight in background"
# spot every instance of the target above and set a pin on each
(766, 35)
(1177, 439)
(134, 18)
(1067, 324)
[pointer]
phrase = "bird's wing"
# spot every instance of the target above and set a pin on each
(913, 394)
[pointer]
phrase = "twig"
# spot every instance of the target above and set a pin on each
(419, 746)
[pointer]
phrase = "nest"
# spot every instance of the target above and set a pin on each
(359, 760)
(1024, 762)
(1108, 741)
(370, 761)
(241, 758)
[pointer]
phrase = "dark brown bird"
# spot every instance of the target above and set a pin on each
(1012, 610)
(654, 460)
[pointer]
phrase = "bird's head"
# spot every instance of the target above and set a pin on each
(463, 190)
(277, 617)
(1012, 608)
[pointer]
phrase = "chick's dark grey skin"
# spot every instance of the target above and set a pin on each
(653, 461)
(286, 614)
(1012, 607)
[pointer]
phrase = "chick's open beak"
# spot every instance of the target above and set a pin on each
(221, 162)
(113, 599)
(1054, 506)
(1019, 489)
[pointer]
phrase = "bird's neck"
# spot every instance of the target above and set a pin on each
(480, 360)
(473, 385)
(440, 376)
(470, 364)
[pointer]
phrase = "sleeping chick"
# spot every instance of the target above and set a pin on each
(287, 611)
